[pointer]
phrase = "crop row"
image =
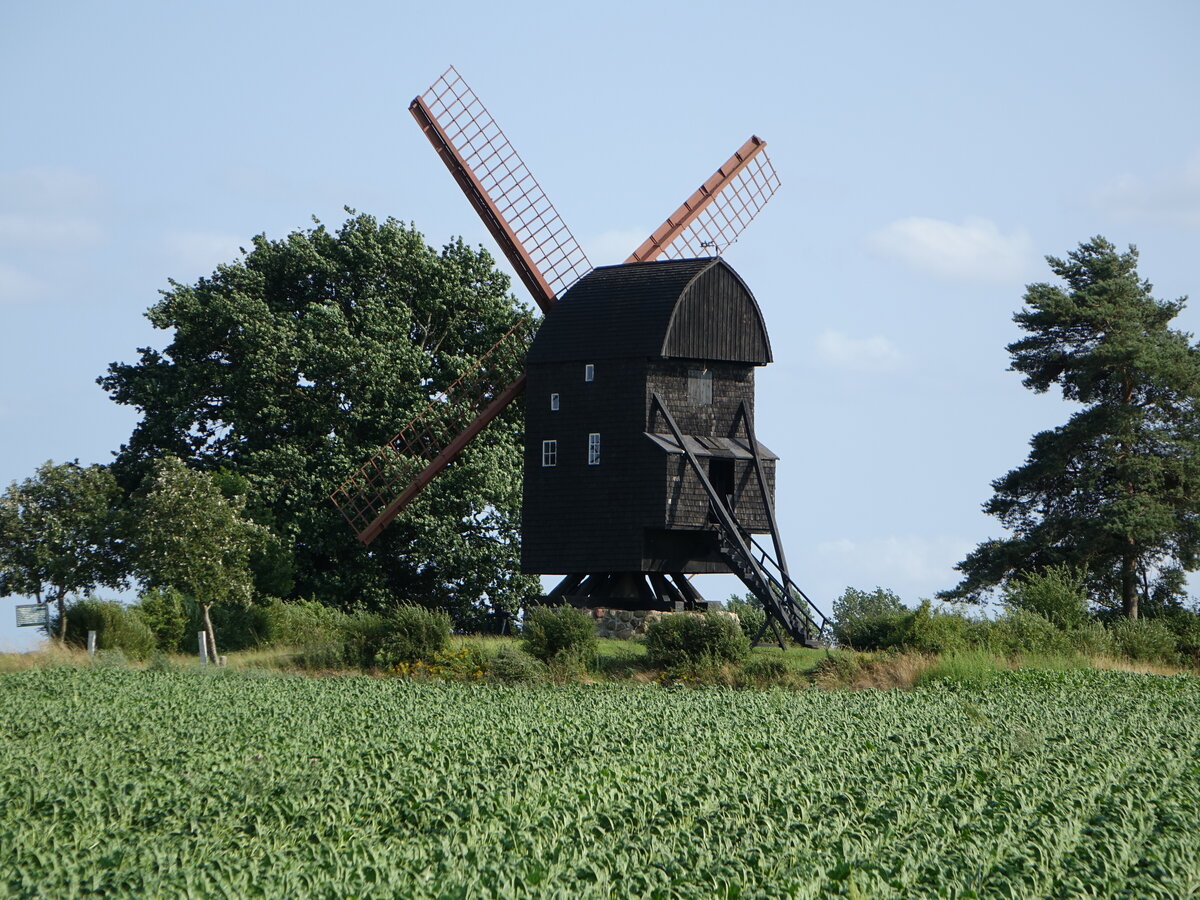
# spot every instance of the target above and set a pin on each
(117, 782)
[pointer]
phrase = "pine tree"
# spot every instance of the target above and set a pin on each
(1116, 490)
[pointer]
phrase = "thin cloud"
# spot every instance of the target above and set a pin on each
(975, 250)
(1170, 198)
(49, 188)
(898, 560)
(16, 286)
(860, 354)
(40, 231)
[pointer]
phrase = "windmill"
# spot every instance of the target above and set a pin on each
(641, 462)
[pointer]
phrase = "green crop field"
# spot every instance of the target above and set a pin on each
(118, 783)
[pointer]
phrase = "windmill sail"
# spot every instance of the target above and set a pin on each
(500, 186)
(547, 259)
(718, 211)
(401, 468)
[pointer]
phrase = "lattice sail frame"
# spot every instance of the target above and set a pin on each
(367, 494)
(506, 180)
(723, 221)
(716, 214)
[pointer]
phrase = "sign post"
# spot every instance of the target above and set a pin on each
(31, 614)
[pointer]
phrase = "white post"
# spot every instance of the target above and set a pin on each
(91, 643)
(221, 660)
(202, 637)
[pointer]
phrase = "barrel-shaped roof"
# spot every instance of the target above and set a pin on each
(688, 308)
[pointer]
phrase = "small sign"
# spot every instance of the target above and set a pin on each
(33, 614)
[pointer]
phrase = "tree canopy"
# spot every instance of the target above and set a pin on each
(1115, 492)
(188, 536)
(60, 533)
(288, 367)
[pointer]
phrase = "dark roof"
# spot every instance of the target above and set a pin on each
(704, 445)
(688, 308)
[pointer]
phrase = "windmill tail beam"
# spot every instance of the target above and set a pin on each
(747, 179)
(443, 459)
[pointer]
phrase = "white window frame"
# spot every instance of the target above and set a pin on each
(594, 448)
(589, 372)
(554, 403)
(549, 454)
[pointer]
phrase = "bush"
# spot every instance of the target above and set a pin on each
(1019, 631)
(237, 627)
(165, 613)
(1185, 625)
(1146, 640)
(322, 655)
(360, 638)
(682, 639)
(1056, 593)
(869, 620)
(117, 627)
(466, 663)
(299, 622)
(560, 633)
(930, 630)
(513, 665)
(1090, 639)
(750, 613)
(412, 633)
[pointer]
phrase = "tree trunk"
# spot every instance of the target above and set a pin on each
(208, 630)
(62, 618)
(1129, 586)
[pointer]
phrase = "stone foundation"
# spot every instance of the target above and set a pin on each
(630, 623)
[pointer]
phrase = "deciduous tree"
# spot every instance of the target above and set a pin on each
(190, 537)
(290, 366)
(59, 534)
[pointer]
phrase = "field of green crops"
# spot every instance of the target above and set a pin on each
(118, 783)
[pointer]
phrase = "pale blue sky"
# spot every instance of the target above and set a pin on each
(930, 153)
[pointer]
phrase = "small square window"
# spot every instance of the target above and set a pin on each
(549, 453)
(700, 390)
(593, 449)
(554, 403)
(589, 372)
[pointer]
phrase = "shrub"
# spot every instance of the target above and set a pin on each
(165, 614)
(930, 630)
(298, 622)
(750, 613)
(559, 633)
(1090, 639)
(322, 655)
(1057, 593)
(1020, 631)
(412, 633)
(1185, 625)
(513, 665)
(468, 662)
(361, 637)
(687, 638)
(1146, 640)
(869, 620)
(117, 627)
(237, 627)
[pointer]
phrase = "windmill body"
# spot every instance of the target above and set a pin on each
(641, 462)
(608, 489)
